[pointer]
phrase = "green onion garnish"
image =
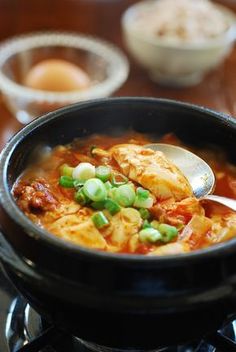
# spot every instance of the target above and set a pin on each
(146, 224)
(150, 235)
(81, 198)
(143, 203)
(103, 173)
(100, 220)
(66, 181)
(112, 192)
(155, 224)
(112, 206)
(142, 193)
(83, 172)
(66, 170)
(168, 232)
(145, 214)
(125, 195)
(78, 183)
(95, 190)
(108, 185)
(98, 205)
(118, 179)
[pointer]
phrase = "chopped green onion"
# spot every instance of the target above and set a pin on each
(145, 214)
(125, 195)
(118, 179)
(146, 224)
(66, 181)
(83, 172)
(143, 203)
(112, 206)
(78, 183)
(112, 193)
(168, 232)
(81, 198)
(98, 205)
(142, 193)
(150, 235)
(155, 224)
(108, 185)
(66, 170)
(100, 220)
(103, 173)
(95, 190)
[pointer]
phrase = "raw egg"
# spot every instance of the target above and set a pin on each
(57, 75)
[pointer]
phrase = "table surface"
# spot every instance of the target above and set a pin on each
(102, 18)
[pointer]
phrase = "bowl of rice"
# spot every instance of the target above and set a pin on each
(178, 42)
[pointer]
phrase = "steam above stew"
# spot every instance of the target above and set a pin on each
(114, 195)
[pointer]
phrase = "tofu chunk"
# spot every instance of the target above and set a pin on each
(152, 170)
(78, 229)
(124, 225)
(170, 249)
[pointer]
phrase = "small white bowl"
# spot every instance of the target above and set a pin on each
(104, 63)
(178, 64)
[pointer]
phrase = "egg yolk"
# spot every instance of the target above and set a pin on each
(57, 75)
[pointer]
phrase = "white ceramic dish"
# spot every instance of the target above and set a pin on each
(179, 64)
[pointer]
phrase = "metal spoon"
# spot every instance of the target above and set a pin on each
(196, 170)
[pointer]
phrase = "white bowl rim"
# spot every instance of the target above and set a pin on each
(226, 37)
(117, 61)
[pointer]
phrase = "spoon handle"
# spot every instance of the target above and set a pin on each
(228, 202)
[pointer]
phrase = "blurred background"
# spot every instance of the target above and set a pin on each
(102, 18)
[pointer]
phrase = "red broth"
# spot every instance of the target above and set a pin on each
(54, 208)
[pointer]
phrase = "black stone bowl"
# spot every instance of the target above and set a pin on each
(117, 300)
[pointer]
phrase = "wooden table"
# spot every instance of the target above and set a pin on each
(102, 18)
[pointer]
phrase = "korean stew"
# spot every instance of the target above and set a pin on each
(114, 195)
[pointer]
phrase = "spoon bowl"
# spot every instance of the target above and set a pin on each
(196, 170)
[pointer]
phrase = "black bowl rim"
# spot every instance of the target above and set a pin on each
(13, 211)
